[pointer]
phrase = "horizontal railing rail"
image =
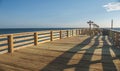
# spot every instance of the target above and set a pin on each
(11, 42)
(114, 35)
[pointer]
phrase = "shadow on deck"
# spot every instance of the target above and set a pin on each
(85, 63)
(92, 54)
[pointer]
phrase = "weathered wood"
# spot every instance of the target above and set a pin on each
(70, 52)
(44, 41)
(72, 32)
(76, 32)
(44, 38)
(56, 34)
(60, 34)
(36, 38)
(22, 43)
(3, 37)
(4, 42)
(55, 38)
(44, 35)
(79, 31)
(30, 45)
(23, 38)
(10, 44)
(67, 33)
(14, 40)
(51, 36)
(3, 47)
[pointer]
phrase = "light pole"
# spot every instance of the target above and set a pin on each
(90, 23)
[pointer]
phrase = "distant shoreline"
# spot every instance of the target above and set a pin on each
(22, 30)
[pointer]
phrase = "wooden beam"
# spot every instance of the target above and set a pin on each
(10, 44)
(67, 33)
(60, 34)
(36, 38)
(51, 36)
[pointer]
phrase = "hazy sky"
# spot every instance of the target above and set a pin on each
(58, 13)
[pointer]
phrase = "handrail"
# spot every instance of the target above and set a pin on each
(20, 40)
(115, 36)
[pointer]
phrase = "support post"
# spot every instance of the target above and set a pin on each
(60, 34)
(36, 38)
(117, 39)
(51, 36)
(79, 31)
(76, 32)
(72, 32)
(10, 44)
(67, 33)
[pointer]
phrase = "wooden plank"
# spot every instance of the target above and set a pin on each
(56, 33)
(55, 38)
(4, 42)
(23, 38)
(44, 41)
(44, 35)
(5, 51)
(30, 45)
(10, 44)
(3, 37)
(44, 38)
(3, 47)
(22, 43)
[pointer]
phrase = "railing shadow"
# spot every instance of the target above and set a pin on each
(115, 49)
(61, 62)
(63, 59)
(85, 62)
(107, 59)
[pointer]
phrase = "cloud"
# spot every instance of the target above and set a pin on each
(114, 6)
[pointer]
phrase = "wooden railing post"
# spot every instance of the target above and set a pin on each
(72, 32)
(36, 38)
(67, 33)
(60, 34)
(76, 32)
(51, 36)
(80, 32)
(10, 44)
(117, 39)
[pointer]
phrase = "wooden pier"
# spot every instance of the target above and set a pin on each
(73, 51)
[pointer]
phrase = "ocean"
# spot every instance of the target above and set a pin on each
(21, 30)
(117, 29)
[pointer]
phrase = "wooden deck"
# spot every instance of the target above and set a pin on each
(79, 53)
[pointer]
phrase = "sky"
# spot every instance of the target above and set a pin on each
(58, 13)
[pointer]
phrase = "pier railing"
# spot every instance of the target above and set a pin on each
(114, 35)
(11, 42)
